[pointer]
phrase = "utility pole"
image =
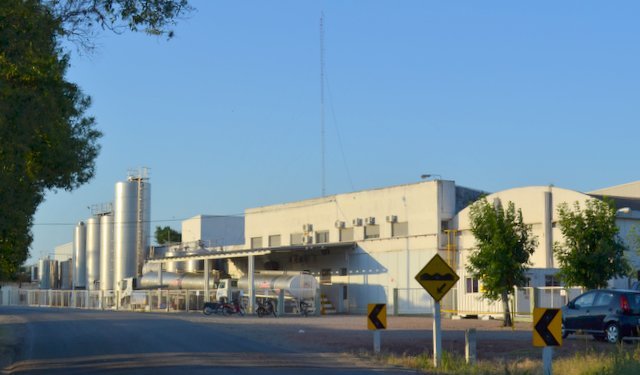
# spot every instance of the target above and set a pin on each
(322, 145)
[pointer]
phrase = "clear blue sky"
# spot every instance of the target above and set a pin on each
(492, 94)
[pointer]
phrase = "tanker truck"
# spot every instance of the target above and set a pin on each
(296, 286)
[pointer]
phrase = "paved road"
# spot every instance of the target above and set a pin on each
(66, 341)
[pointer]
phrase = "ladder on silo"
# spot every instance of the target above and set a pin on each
(139, 226)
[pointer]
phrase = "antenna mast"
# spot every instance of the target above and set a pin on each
(322, 145)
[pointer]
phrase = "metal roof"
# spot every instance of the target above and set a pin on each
(222, 254)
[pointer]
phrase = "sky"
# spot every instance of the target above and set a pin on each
(227, 114)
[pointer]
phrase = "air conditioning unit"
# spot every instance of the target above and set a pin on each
(340, 224)
(357, 222)
(307, 228)
(370, 220)
(392, 219)
(307, 240)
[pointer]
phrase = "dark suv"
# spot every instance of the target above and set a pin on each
(607, 314)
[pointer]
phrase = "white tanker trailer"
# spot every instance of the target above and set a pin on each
(296, 285)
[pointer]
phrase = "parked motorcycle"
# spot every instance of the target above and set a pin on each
(266, 307)
(223, 308)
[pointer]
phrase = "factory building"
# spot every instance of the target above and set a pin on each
(362, 247)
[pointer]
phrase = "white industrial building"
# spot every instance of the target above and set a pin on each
(362, 247)
(366, 247)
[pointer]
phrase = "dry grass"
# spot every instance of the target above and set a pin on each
(624, 361)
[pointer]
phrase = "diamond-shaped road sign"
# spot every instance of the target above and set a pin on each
(377, 316)
(437, 277)
(547, 327)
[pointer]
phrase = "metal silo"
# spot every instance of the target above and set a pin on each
(131, 226)
(93, 252)
(44, 274)
(80, 255)
(106, 252)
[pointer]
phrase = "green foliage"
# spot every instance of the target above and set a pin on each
(80, 18)
(592, 252)
(47, 140)
(166, 235)
(504, 244)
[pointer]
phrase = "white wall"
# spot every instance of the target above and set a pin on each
(214, 230)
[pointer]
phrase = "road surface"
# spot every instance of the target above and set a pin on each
(68, 341)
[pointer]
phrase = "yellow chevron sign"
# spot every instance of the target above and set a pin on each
(547, 327)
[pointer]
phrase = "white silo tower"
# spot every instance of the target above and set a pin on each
(131, 225)
(106, 252)
(80, 255)
(93, 252)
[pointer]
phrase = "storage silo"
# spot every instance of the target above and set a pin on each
(44, 274)
(80, 254)
(93, 252)
(131, 226)
(106, 252)
(65, 268)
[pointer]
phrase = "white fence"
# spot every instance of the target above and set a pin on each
(522, 303)
(150, 300)
(414, 301)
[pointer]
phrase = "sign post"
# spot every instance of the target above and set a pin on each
(547, 333)
(376, 320)
(437, 278)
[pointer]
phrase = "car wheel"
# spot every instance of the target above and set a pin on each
(207, 310)
(564, 331)
(613, 333)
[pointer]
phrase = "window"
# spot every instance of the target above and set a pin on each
(322, 236)
(604, 299)
(256, 242)
(371, 231)
(346, 234)
(274, 240)
(399, 229)
(551, 280)
(585, 300)
(471, 285)
(296, 239)
(444, 225)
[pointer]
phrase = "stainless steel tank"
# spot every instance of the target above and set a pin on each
(172, 280)
(298, 285)
(106, 252)
(131, 227)
(80, 254)
(93, 253)
(176, 267)
(65, 273)
(44, 274)
(48, 273)
(194, 266)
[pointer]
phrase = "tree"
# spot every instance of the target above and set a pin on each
(166, 235)
(79, 18)
(48, 142)
(504, 244)
(592, 252)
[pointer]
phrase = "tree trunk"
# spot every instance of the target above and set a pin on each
(507, 313)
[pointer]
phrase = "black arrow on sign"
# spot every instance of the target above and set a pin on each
(373, 317)
(542, 327)
(442, 287)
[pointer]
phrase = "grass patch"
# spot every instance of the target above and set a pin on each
(623, 361)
